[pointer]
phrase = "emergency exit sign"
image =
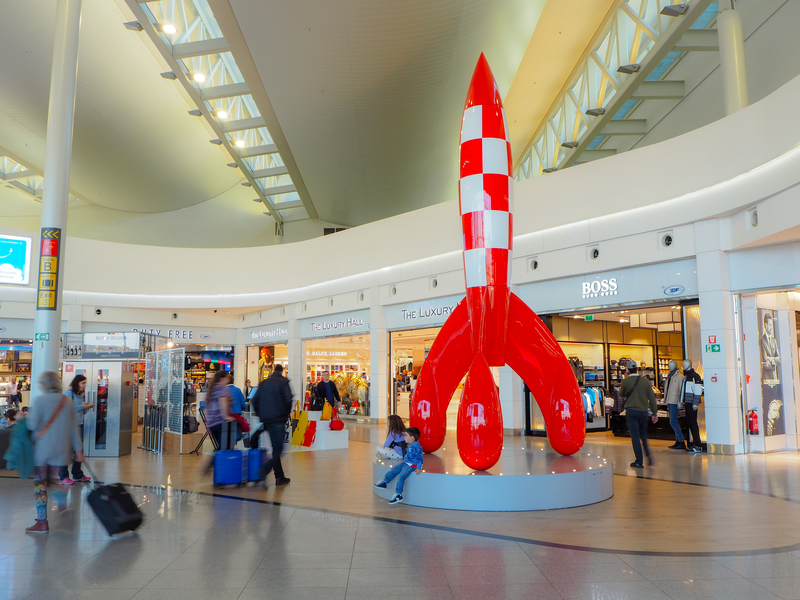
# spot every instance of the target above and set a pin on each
(712, 348)
(41, 337)
(588, 317)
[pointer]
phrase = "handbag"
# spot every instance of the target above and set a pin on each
(327, 412)
(336, 424)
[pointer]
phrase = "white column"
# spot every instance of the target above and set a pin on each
(297, 368)
(378, 361)
(60, 116)
(511, 399)
(239, 362)
(717, 324)
(731, 58)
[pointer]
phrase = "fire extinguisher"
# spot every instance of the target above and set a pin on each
(752, 422)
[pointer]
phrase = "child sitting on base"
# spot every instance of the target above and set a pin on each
(411, 462)
(394, 448)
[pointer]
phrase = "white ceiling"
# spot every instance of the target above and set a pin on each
(368, 93)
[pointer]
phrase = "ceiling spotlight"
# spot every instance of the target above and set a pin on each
(596, 112)
(629, 69)
(196, 112)
(549, 170)
(216, 142)
(240, 143)
(569, 144)
(133, 25)
(674, 10)
(257, 200)
(169, 28)
(199, 77)
(269, 215)
(221, 114)
(169, 75)
(246, 184)
(233, 165)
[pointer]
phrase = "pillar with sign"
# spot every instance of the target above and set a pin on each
(47, 324)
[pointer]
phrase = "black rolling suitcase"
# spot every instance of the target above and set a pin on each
(114, 506)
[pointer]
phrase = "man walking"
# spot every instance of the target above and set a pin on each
(273, 403)
(639, 397)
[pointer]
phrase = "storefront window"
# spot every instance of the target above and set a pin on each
(261, 361)
(345, 360)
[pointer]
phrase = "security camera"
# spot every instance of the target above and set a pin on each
(215, 310)
(97, 311)
(174, 315)
(667, 241)
(595, 253)
(535, 265)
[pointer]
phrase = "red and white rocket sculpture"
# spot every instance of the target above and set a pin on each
(493, 327)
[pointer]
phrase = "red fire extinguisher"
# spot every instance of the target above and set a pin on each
(752, 422)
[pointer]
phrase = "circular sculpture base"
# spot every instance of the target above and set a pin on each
(523, 479)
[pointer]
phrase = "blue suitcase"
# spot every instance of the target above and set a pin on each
(230, 466)
(255, 460)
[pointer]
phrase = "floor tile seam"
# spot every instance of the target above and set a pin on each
(754, 552)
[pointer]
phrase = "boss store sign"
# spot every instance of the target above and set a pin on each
(652, 283)
(428, 313)
(356, 321)
(278, 332)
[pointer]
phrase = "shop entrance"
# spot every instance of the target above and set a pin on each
(346, 360)
(769, 344)
(15, 372)
(599, 344)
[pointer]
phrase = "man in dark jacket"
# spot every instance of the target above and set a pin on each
(273, 403)
(326, 390)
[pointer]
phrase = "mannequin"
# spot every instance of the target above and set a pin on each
(673, 387)
(691, 394)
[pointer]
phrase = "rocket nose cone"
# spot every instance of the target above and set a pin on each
(483, 88)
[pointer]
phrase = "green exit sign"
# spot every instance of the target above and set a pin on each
(41, 337)
(588, 317)
(712, 348)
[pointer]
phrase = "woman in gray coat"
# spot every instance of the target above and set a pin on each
(55, 437)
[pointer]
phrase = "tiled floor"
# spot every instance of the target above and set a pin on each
(691, 527)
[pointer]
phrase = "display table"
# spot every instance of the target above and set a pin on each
(523, 479)
(324, 439)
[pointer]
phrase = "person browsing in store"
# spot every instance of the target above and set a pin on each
(412, 462)
(326, 390)
(77, 394)
(238, 402)
(639, 399)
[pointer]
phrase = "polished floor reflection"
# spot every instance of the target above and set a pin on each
(693, 527)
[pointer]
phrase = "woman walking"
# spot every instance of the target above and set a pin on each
(55, 435)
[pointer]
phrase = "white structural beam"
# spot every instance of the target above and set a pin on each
(280, 189)
(625, 127)
(224, 91)
(201, 48)
(698, 40)
(242, 124)
(260, 173)
(290, 204)
(17, 175)
(659, 90)
(258, 150)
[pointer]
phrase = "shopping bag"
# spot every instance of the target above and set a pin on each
(310, 434)
(300, 430)
(327, 412)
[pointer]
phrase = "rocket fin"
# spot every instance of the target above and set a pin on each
(480, 418)
(445, 366)
(534, 354)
